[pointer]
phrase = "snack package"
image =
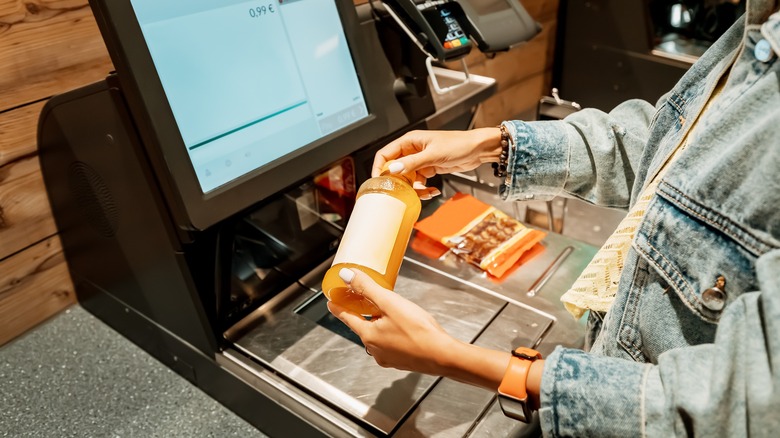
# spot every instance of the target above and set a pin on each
(479, 233)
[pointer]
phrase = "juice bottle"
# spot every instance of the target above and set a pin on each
(386, 208)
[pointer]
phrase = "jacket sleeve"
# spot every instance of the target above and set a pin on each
(591, 155)
(728, 388)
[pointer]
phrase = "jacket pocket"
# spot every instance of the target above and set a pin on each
(707, 266)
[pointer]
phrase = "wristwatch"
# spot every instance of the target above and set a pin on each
(512, 394)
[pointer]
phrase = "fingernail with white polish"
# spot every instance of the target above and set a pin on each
(346, 275)
(417, 185)
(425, 197)
(396, 167)
(435, 192)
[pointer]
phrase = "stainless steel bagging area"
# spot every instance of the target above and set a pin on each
(201, 191)
(293, 336)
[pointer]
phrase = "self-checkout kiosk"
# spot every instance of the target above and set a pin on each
(202, 188)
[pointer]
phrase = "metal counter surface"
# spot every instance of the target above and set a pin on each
(297, 338)
(514, 286)
(302, 341)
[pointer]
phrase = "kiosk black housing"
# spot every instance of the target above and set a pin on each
(220, 283)
(149, 252)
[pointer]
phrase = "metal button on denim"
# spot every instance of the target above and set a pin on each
(714, 298)
(763, 51)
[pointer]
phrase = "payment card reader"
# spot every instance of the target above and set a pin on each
(438, 26)
(446, 30)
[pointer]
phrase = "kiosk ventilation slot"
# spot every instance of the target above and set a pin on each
(93, 199)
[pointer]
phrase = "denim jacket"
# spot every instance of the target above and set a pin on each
(675, 355)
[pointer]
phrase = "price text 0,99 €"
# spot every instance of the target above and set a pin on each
(262, 10)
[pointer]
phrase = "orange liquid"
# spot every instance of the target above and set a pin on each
(338, 292)
(332, 285)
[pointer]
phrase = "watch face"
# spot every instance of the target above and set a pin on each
(515, 408)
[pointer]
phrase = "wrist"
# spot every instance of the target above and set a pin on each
(534, 382)
(488, 144)
(472, 364)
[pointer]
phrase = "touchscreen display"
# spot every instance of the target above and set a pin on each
(250, 81)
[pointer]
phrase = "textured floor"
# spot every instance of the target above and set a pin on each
(73, 376)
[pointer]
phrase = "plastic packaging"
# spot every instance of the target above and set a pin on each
(375, 239)
(479, 233)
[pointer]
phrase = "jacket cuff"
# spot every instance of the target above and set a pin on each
(537, 164)
(580, 390)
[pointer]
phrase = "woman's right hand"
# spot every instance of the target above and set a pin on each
(406, 337)
(403, 336)
(437, 152)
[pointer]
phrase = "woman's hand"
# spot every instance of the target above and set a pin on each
(407, 337)
(432, 152)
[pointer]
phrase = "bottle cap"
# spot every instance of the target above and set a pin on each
(408, 176)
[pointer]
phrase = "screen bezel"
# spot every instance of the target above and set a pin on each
(167, 153)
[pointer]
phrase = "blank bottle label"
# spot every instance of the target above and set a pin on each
(371, 232)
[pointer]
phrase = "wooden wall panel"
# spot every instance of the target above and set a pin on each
(34, 285)
(25, 216)
(518, 101)
(18, 132)
(47, 47)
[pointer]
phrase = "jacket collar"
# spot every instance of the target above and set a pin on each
(770, 30)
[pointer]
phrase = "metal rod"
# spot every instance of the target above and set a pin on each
(550, 217)
(539, 284)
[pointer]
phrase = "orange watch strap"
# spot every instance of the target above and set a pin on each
(514, 379)
(516, 374)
